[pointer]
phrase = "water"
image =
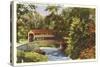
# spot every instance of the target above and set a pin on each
(54, 54)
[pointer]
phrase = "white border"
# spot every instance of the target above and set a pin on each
(14, 32)
(49, 62)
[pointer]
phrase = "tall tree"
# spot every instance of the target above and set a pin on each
(78, 35)
(27, 19)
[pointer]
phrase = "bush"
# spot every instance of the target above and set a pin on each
(67, 51)
(20, 56)
(30, 57)
(88, 53)
(39, 51)
(75, 53)
(34, 57)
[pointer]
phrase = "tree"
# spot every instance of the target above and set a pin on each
(27, 19)
(78, 36)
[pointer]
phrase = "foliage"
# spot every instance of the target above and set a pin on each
(70, 22)
(20, 56)
(34, 57)
(78, 35)
(88, 53)
(70, 39)
(27, 19)
(30, 57)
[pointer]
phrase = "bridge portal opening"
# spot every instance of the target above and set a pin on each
(31, 36)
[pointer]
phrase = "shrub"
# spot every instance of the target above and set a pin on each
(20, 56)
(88, 53)
(30, 57)
(34, 57)
(39, 51)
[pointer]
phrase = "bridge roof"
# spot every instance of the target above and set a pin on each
(42, 31)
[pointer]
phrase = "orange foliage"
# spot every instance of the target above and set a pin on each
(88, 53)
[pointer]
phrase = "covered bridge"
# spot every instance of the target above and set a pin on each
(46, 36)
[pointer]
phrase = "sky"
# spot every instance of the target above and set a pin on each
(41, 9)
